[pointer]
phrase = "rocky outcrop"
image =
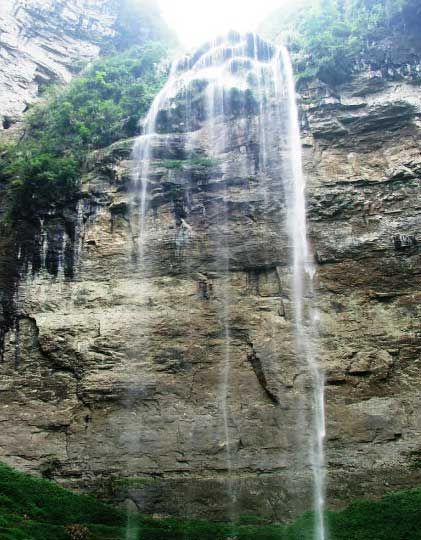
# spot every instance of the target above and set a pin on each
(111, 378)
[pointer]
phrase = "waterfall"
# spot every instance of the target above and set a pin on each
(241, 75)
(303, 268)
(142, 155)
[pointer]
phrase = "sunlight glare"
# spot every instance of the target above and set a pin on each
(196, 21)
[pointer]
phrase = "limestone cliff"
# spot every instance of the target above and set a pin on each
(110, 378)
(47, 41)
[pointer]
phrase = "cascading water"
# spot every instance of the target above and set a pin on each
(215, 110)
(303, 274)
(142, 154)
(242, 72)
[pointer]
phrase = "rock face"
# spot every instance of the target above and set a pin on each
(363, 165)
(45, 42)
(111, 377)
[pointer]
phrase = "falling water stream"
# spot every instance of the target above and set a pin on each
(303, 274)
(243, 62)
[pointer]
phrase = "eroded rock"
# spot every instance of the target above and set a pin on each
(113, 373)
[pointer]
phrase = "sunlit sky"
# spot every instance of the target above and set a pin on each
(196, 21)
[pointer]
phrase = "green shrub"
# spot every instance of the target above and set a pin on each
(104, 104)
(326, 38)
(96, 109)
(173, 164)
(194, 161)
(204, 161)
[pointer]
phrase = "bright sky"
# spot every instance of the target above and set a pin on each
(196, 21)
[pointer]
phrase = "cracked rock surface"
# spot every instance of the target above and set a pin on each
(44, 42)
(111, 377)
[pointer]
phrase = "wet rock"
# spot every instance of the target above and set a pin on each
(114, 372)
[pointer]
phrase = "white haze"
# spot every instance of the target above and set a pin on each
(196, 21)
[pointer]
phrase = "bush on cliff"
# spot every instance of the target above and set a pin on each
(328, 37)
(102, 105)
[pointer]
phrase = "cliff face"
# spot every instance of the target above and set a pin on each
(363, 164)
(43, 42)
(111, 378)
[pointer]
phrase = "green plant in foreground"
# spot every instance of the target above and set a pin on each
(37, 509)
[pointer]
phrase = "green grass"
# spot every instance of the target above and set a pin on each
(37, 509)
(395, 517)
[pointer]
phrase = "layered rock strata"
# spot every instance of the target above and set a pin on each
(111, 376)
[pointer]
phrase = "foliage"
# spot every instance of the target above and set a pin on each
(204, 161)
(173, 164)
(395, 517)
(96, 109)
(37, 509)
(327, 37)
(37, 177)
(194, 161)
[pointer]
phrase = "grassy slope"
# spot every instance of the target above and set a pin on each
(37, 509)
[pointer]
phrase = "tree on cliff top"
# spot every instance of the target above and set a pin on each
(327, 37)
